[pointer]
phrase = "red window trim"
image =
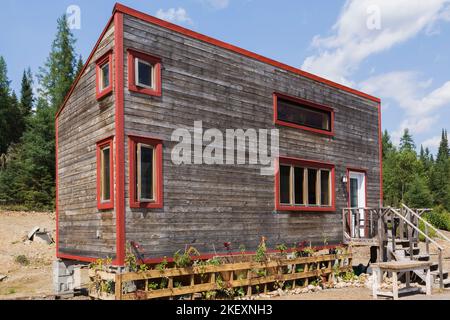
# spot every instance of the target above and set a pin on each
(106, 58)
(100, 145)
(277, 95)
(307, 163)
(157, 144)
(155, 61)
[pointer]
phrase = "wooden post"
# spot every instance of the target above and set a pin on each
(441, 276)
(395, 285)
(380, 238)
(376, 275)
(427, 240)
(118, 287)
(428, 281)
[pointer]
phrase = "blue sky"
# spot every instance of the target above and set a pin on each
(396, 50)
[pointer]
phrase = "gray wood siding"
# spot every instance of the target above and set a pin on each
(205, 205)
(83, 122)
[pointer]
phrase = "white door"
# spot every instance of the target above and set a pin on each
(357, 196)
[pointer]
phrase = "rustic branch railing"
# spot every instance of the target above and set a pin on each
(198, 279)
(360, 223)
(397, 213)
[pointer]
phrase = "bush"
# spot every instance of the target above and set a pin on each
(439, 218)
(22, 260)
(431, 232)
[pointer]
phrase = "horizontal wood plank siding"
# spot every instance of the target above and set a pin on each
(205, 206)
(83, 229)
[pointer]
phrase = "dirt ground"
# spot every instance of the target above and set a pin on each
(34, 279)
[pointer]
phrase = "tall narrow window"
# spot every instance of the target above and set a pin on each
(145, 172)
(104, 76)
(305, 185)
(302, 114)
(144, 73)
(105, 174)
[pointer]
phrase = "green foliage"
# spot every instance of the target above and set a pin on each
(418, 194)
(439, 218)
(431, 232)
(130, 259)
(162, 266)
(282, 248)
(183, 260)
(261, 251)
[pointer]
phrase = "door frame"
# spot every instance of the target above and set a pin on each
(360, 171)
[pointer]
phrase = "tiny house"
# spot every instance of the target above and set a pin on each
(117, 181)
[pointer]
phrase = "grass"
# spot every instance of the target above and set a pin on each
(22, 260)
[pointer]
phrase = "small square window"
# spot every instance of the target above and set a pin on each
(104, 76)
(144, 73)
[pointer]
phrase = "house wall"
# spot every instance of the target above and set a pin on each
(204, 205)
(81, 124)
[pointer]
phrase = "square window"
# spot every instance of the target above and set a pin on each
(144, 73)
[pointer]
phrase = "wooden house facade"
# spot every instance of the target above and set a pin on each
(145, 78)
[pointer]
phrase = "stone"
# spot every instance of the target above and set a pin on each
(3, 277)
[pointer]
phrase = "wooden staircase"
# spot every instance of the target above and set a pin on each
(395, 234)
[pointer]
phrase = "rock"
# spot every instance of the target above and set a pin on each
(32, 232)
(3, 277)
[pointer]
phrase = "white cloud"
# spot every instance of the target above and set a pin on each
(405, 88)
(355, 35)
(416, 125)
(432, 143)
(216, 4)
(177, 15)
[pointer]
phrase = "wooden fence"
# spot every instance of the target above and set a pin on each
(245, 276)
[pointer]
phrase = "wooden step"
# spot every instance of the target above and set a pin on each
(435, 274)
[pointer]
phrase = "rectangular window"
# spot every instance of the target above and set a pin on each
(144, 73)
(305, 185)
(105, 174)
(145, 157)
(104, 76)
(302, 114)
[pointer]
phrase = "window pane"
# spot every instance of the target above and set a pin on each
(325, 188)
(285, 174)
(304, 115)
(298, 185)
(146, 173)
(312, 186)
(145, 74)
(106, 177)
(105, 76)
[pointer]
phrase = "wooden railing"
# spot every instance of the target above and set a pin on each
(207, 278)
(360, 223)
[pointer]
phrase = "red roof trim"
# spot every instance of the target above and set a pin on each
(150, 19)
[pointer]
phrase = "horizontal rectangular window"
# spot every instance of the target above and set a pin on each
(305, 185)
(303, 114)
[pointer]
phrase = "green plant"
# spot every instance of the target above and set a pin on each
(130, 259)
(307, 252)
(282, 248)
(177, 285)
(163, 265)
(242, 249)
(317, 282)
(431, 232)
(260, 255)
(439, 218)
(153, 286)
(184, 260)
(143, 267)
(349, 276)
(11, 291)
(164, 283)
(208, 295)
(240, 292)
(107, 287)
(22, 260)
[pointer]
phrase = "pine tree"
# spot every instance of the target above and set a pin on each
(80, 65)
(57, 75)
(26, 94)
(440, 174)
(4, 107)
(406, 141)
(418, 194)
(388, 146)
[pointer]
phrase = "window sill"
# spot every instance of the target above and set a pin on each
(105, 92)
(105, 206)
(300, 127)
(146, 91)
(305, 209)
(146, 205)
